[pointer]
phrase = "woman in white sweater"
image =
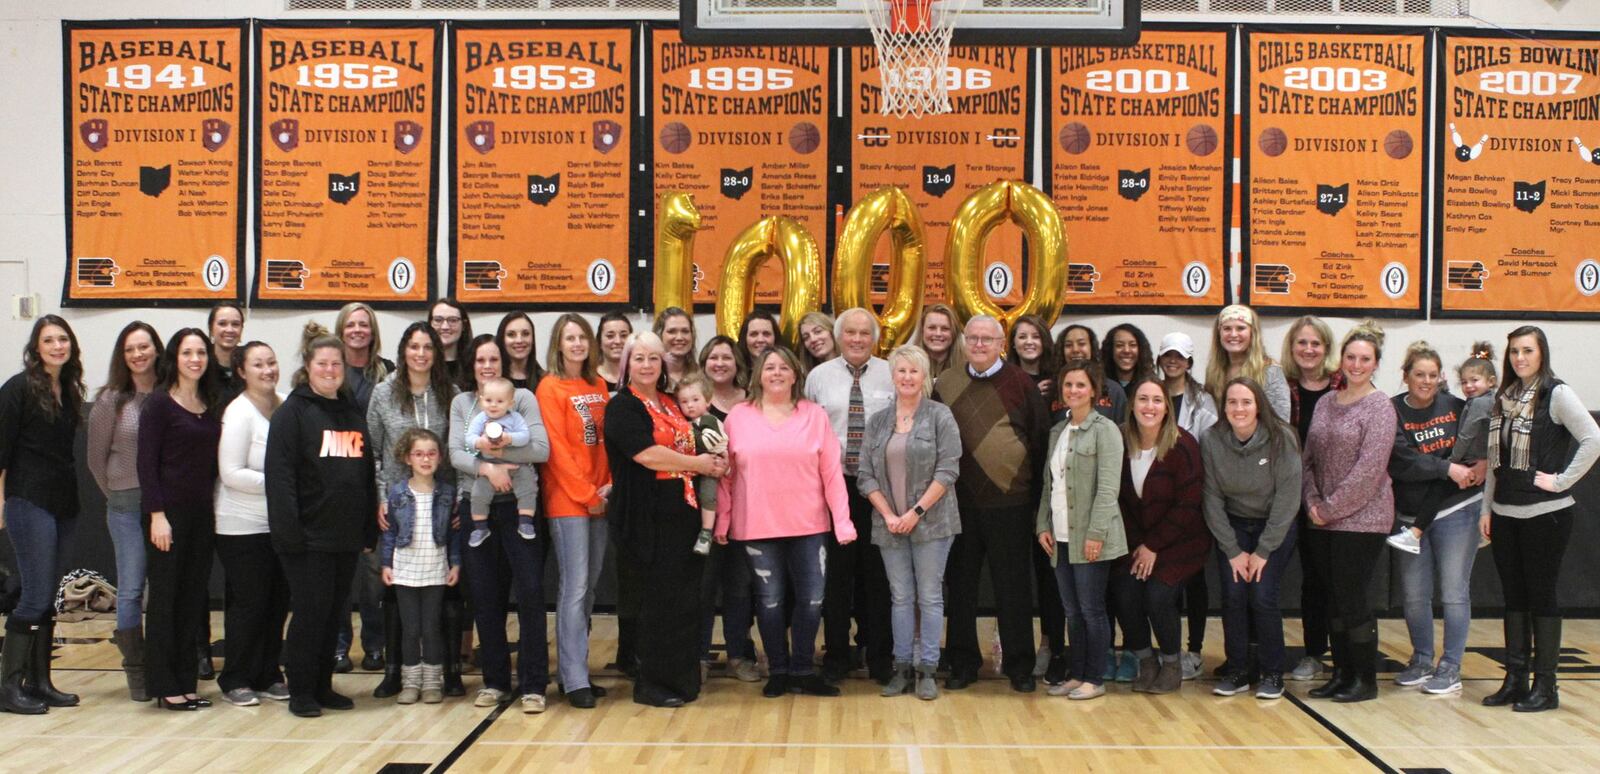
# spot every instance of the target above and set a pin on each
(256, 598)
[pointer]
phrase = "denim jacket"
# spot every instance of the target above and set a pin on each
(402, 521)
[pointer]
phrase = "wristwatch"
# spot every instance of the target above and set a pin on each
(919, 510)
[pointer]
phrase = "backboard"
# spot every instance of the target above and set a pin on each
(844, 22)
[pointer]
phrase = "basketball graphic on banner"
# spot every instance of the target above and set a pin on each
(1074, 138)
(675, 137)
(1273, 141)
(804, 137)
(1398, 144)
(1201, 139)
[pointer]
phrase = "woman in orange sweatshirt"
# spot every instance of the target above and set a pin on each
(577, 481)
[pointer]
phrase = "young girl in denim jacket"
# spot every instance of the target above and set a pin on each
(421, 556)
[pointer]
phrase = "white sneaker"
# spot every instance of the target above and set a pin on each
(1192, 664)
(532, 703)
(1087, 691)
(1306, 669)
(489, 697)
(744, 670)
(1063, 689)
(1405, 541)
(1041, 661)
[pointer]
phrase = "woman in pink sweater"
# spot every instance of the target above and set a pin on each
(783, 494)
(1350, 504)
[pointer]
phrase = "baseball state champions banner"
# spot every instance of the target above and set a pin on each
(745, 131)
(541, 161)
(1519, 163)
(1335, 185)
(1138, 160)
(154, 130)
(346, 162)
(941, 159)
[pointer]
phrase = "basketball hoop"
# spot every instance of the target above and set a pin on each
(913, 42)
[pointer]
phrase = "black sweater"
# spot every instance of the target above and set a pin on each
(321, 494)
(36, 450)
(1420, 461)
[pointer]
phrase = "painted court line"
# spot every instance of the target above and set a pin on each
(909, 749)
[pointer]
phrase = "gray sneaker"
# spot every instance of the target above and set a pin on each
(1307, 669)
(1192, 664)
(1445, 679)
(1416, 673)
(1232, 684)
(242, 697)
(275, 692)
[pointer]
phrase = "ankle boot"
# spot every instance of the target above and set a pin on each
(1519, 637)
(901, 681)
(1546, 656)
(1149, 667)
(392, 677)
(410, 684)
(453, 627)
(15, 660)
(207, 669)
(1169, 677)
(927, 686)
(38, 681)
(432, 683)
(130, 642)
(1339, 644)
(1363, 654)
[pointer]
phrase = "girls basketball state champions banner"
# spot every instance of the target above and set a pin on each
(154, 137)
(346, 163)
(541, 160)
(1138, 159)
(1335, 186)
(1519, 161)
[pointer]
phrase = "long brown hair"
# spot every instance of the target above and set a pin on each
(589, 370)
(119, 378)
(535, 372)
(1512, 383)
(70, 377)
(1166, 437)
(1047, 350)
(438, 377)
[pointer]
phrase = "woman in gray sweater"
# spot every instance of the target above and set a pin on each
(911, 456)
(1252, 494)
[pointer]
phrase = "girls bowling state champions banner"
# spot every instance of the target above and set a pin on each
(346, 162)
(744, 130)
(541, 162)
(154, 136)
(1335, 186)
(940, 160)
(1519, 163)
(1138, 158)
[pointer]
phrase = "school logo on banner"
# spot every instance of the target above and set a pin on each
(94, 133)
(1131, 185)
(937, 181)
(214, 133)
(607, 134)
(286, 134)
(343, 188)
(1332, 198)
(407, 136)
(480, 136)
(736, 182)
(542, 190)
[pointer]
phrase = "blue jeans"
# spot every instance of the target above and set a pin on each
(1083, 598)
(580, 544)
(727, 571)
(1449, 546)
(1255, 603)
(916, 575)
(40, 540)
(126, 527)
(777, 563)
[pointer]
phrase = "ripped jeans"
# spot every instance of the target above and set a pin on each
(776, 564)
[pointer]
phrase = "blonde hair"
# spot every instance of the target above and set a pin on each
(1420, 350)
(1255, 357)
(697, 381)
(914, 355)
(822, 320)
(1330, 358)
(1370, 332)
(498, 383)
(1166, 437)
(374, 370)
(558, 359)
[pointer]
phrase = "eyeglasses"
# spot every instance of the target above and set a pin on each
(425, 455)
(983, 341)
(449, 322)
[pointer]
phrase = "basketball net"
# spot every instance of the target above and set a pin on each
(913, 41)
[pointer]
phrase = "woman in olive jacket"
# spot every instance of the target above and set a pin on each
(1078, 511)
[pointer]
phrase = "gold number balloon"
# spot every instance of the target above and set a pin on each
(676, 221)
(985, 209)
(793, 246)
(886, 209)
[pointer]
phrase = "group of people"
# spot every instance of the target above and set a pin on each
(822, 487)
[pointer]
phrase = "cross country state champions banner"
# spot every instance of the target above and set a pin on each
(1519, 165)
(1138, 158)
(155, 162)
(346, 162)
(1334, 182)
(541, 163)
(744, 130)
(940, 160)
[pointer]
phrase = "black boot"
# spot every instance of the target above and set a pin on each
(131, 643)
(38, 682)
(1362, 647)
(1519, 637)
(15, 660)
(391, 684)
(452, 650)
(1339, 644)
(1546, 657)
(207, 669)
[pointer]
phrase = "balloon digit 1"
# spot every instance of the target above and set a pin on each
(676, 222)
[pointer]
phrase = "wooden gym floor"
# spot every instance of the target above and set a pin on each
(732, 728)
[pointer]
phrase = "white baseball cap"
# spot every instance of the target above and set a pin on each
(1177, 342)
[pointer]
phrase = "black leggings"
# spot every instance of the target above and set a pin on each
(1346, 561)
(422, 636)
(319, 589)
(1527, 554)
(1143, 605)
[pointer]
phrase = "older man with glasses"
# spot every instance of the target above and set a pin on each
(1005, 428)
(851, 388)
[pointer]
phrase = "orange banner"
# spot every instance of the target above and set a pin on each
(941, 159)
(1519, 162)
(745, 131)
(347, 163)
(1139, 164)
(541, 155)
(1335, 192)
(154, 162)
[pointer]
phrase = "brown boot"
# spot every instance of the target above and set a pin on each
(1169, 679)
(1149, 666)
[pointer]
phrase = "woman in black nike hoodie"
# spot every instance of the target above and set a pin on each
(322, 503)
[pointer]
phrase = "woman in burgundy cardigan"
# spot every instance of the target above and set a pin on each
(1162, 480)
